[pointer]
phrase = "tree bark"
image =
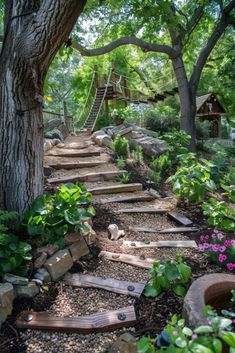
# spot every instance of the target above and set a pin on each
(187, 102)
(33, 33)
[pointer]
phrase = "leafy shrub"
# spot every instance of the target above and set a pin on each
(121, 146)
(138, 155)
(178, 338)
(121, 163)
(54, 216)
(178, 141)
(192, 178)
(219, 249)
(14, 254)
(203, 129)
(160, 123)
(124, 178)
(221, 216)
(221, 165)
(168, 276)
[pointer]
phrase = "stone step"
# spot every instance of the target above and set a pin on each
(98, 176)
(112, 189)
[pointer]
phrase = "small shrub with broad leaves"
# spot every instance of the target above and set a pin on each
(178, 338)
(54, 216)
(220, 215)
(14, 254)
(192, 178)
(169, 275)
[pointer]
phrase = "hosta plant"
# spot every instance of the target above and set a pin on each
(192, 178)
(54, 216)
(220, 215)
(169, 275)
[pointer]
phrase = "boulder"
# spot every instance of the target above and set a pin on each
(42, 275)
(55, 134)
(126, 343)
(59, 264)
(101, 138)
(40, 260)
(48, 249)
(78, 249)
(28, 291)
(14, 279)
(7, 295)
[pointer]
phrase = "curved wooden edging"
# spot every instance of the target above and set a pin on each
(203, 291)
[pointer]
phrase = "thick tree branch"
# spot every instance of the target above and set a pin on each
(145, 46)
(198, 13)
(205, 52)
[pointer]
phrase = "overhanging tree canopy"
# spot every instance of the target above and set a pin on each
(167, 27)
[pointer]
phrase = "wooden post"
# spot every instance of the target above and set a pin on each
(96, 76)
(114, 86)
(126, 92)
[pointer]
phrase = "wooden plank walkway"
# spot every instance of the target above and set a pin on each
(164, 231)
(100, 322)
(87, 177)
(142, 210)
(134, 289)
(126, 198)
(180, 218)
(74, 165)
(74, 154)
(116, 188)
(134, 260)
(160, 244)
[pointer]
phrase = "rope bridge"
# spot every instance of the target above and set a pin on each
(116, 87)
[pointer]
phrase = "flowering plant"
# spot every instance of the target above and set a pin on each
(220, 249)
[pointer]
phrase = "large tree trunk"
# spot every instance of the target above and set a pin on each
(187, 101)
(34, 31)
(21, 144)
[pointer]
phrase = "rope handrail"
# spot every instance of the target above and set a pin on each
(105, 92)
(85, 104)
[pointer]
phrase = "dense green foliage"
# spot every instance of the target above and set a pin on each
(220, 215)
(54, 216)
(120, 145)
(192, 178)
(168, 275)
(177, 337)
(14, 254)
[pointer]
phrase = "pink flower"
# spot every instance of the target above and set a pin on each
(228, 243)
(216, 231)
(206, 245)
(230, 266)
(194, 336)
(222, 248)
(220, 236)
(201, 247)
(222, 258)
(175, 333)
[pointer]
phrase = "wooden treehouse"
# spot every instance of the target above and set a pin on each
(114, 87)
(209, 108)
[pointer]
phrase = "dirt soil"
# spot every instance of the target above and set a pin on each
(63, 300)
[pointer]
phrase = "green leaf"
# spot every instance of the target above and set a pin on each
(152, 290)
(143, 345)
(171, 271)
(217, 345)
(185, 272)
(187, 331)
(203, 329)
(180, 342)
(179, 290)
(199, 348)
(228, 337)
